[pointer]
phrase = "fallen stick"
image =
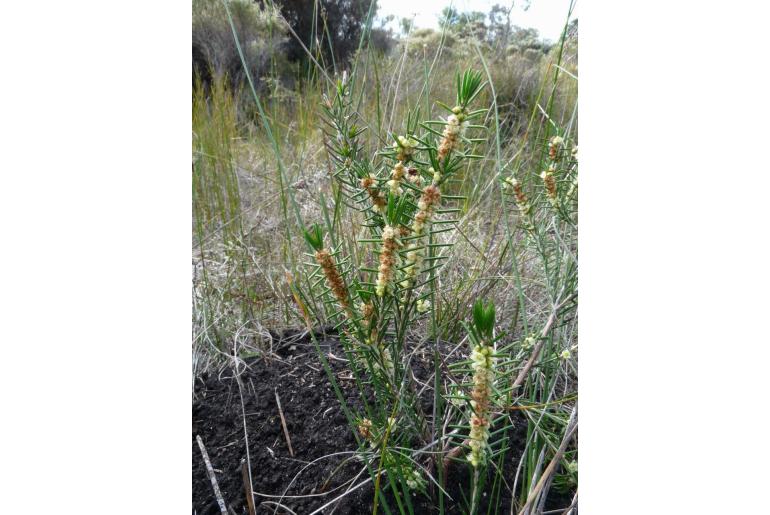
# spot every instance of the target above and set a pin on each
(212, 476)
(571, 427)
(247, 487)
(535, 352)
(283, 423)
(279, 505)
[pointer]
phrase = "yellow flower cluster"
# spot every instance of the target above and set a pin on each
(367, 314)
(436, 175)
(450, 139)
(525, 209)
(571, 190)
(396, 175)
(430, 197)
(483, 377)
(529, 342)
(383, 359)
(378, 199)
(333, 278)
(414, 259)
(388, 256)
(386, 362)
(549, 181)
(413, 176)
(372, 433)
(405, 148)
(414, 479)
(365, 429)
(554, 145)
(367, 310)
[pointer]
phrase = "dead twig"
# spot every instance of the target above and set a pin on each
(247, 487)
(571, 427)
(212, 476)
(283, 423)
(536, 351)
(279, 505)
(350, 490)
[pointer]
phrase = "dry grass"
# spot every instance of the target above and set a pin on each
(239, 276)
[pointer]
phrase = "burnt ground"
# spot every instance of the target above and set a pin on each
(317, 427)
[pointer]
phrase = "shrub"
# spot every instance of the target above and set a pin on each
(335, 28)
(406, 196)
(262, 33)
(426, 40)
(395, 266)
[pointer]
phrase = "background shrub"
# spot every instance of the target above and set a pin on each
(263, 36)
(333, 26)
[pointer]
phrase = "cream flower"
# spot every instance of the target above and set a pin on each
(436, 176)
(483, 378)
(528, 342)
(388, 257)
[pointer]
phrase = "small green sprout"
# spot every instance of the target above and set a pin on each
(314, 237)
(484, 318)
(468, 86)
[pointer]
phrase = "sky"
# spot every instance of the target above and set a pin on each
(547, 16)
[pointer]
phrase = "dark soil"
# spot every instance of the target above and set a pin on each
(317, 427)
